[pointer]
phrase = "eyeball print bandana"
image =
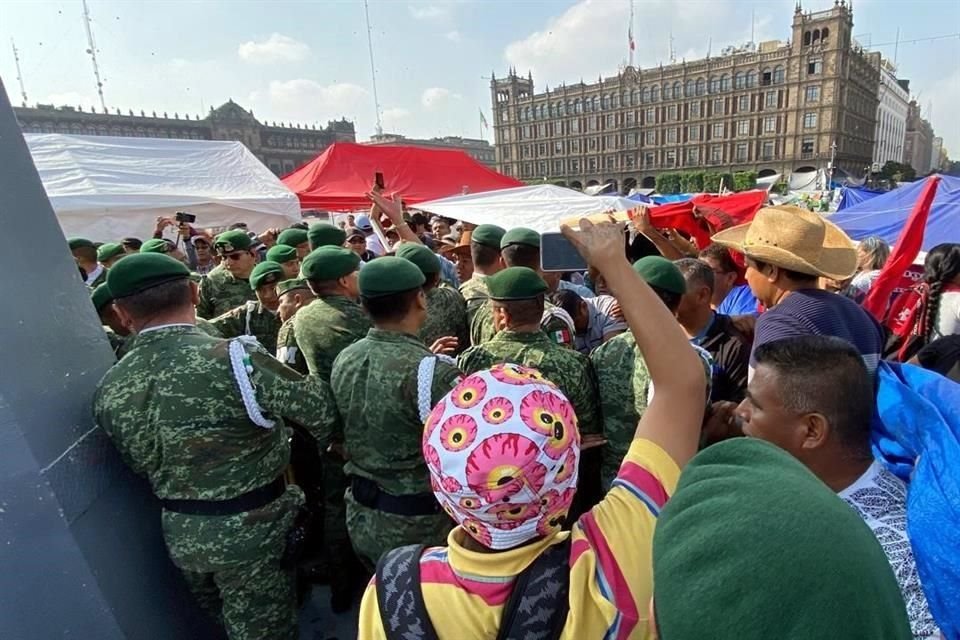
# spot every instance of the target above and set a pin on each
(502, 448)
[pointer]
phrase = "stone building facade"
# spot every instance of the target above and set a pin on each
(480, 150)
(891, 132)
(773, 108)
(282, 148)
(918, 144)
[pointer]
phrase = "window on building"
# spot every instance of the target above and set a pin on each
(650, 117)
(744, 104)
(651, 137)
(558, 167)
(718, 130)
(654, 93)
(768, 150)
(574, 146)
(591, 164)
(724, 82)
(812, 93)
(743, 127)
(701, 86)
(575, 165)
(718, 106)
(693, 133)
(558, 147)
(667, 92)
(769, 125)
(810, 120)
(628, 162)
(716, 154)
(592, 123)
(688, 89)
(611, 121)
(778, 75)
(630, 118)
(596, 103)
(610, 162)
(672, 112)
(592, 144)
(671, 158)
(610, 142)
(694, 109)
(542, 168)
(542, 149)
(672, 134)
(766, 78)
(677, 90)
(575, 125)
(631, 139)
(605, 103)
(751, 78)
(504, 115)
(693, 155)
(739, 81)
(806, 146)
(577, 106)
(770, 100)
(649, 159)
(714, 85)
(741, 153)
(814, 67)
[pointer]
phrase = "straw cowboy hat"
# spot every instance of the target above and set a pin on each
(461, 248)
(794, 239)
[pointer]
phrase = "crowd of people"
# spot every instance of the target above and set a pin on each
(673, 444)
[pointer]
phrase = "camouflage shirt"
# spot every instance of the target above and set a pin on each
(327, 326)
(625, 389)
(556, 323)
(173, 409)
(220, 292)
(475, 294)
(288, 351)
(250, 319)
(446, 316)
(568, 369)
(375, 385)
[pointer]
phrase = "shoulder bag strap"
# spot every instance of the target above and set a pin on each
(399, 597)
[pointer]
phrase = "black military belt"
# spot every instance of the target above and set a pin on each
(249, 501)
(369, 494)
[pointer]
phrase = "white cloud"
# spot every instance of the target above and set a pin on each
(306, 100)
(438, 97)
(453, 36)
(428, 11)
(276, 48)
(394, 117)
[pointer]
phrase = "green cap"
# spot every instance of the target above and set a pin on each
(292, 237)
(322, 234)
(231, 241)
(426, 260)
(281, 253)
(80, 243)
(520, 235)
(155, 245)
(329, 263)
(291, 285)
(109, 250)
(661, 273)
(747, 513)
(101, 296)
(143, 271)
(489, 235)
(265, 273)
(389, 275)
(516, 283)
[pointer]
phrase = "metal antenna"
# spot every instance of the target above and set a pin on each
(16, 60)
(896, 47)
(373, 68)
(673, 54)
(92, 50)
(630, 42)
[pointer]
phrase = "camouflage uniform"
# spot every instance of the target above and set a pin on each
(207, 328)
(624, 385)
(173, 409)
(250, 319)
(375, 385)
(446, 316)
(325, 327)
(220, 292)
(556, 323)
(475, 294)
(288, 351)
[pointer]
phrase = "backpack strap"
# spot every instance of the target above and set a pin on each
(399, 596)
(425, 383)
(540, 601)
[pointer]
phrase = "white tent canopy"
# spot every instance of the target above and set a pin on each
(539, 207)
(105, 188)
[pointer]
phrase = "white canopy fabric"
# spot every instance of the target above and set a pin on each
(105, 188)
(539, 207)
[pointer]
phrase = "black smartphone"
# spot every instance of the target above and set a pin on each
(558, 254)
(183, 216)
(378, 180)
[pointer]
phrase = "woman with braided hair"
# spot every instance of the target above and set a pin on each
(942, 275)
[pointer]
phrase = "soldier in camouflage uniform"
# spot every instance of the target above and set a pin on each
(214, 456)
(256, 318)
(297, 238)
(287, 258)
(324, 234)
(228, 286)
(485, 254)
(446, 308)
(376, 383)
(293, 294)
(108, 253)
(85, 254)
(118, 335)
(622, 376)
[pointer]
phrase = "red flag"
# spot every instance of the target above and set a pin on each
(707, 213)
(904, 253)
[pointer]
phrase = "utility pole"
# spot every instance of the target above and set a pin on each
(833, 154)
(16, 60)
(92, 51)
(373, 68)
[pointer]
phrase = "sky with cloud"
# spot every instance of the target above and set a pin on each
(309, 63)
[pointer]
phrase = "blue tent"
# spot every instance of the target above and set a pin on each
(855, 195)
(885, 215)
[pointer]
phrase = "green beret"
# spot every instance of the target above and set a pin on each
(516, 283)
(231, 241)
(281, 253)
(101, 297)
(109, 250)
(322, 234)
(292, 237)
(265, 272)
(155, 245)
(745, 509)
(143, 271)
(520, 235)
(661, 273)
(291, 285)
(80, 243)
(389, 275)
(488, 235)
(426, 260)
(329, 263)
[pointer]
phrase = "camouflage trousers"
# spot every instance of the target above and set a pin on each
(232, 565)
(374, 532)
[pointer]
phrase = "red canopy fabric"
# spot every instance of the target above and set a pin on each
(707, 213)
(339, 178)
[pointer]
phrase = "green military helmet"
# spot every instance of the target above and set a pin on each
(266, 272)
(329, 263)
(322, 234)
(426, 260)
(101, 297)
(155, 245)
(661, 273)
(80, 243)
(139, 272)
(389, 275)
(293, 284)
(488, 235)
(281, 253)
(231, 241)
(516, 283)
(292, 237)
(109, 250)
(520, 235)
